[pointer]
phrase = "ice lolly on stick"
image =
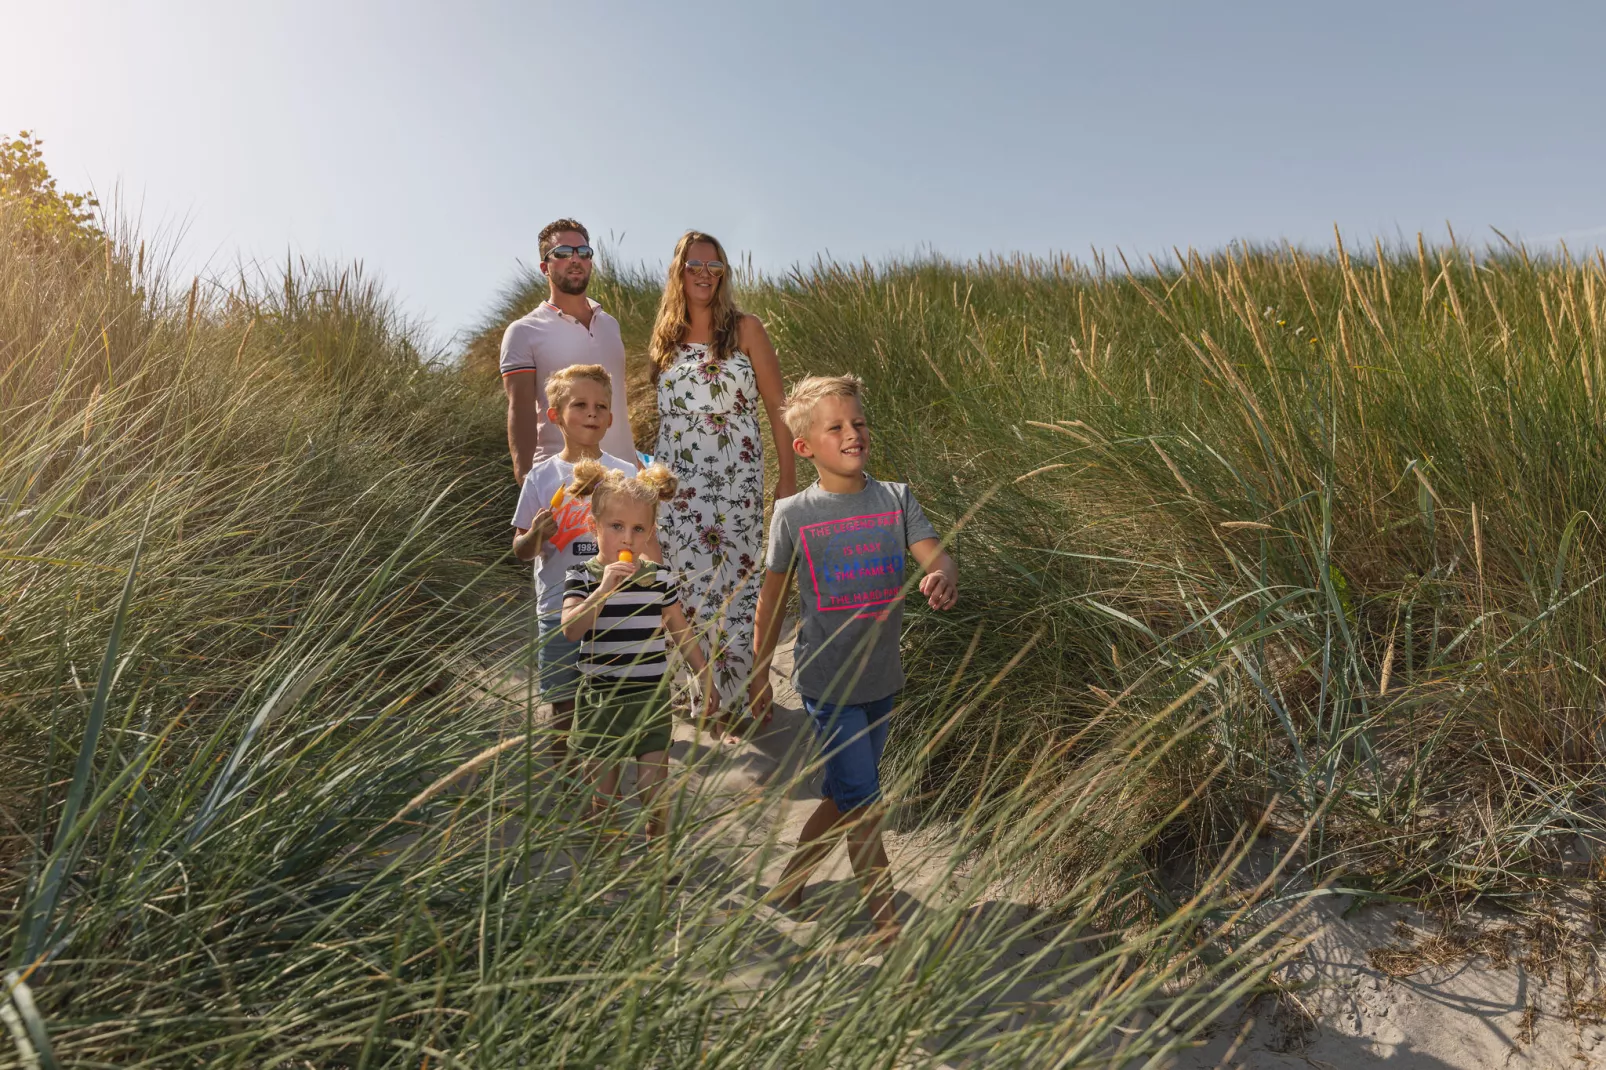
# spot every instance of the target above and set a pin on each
(557, 497)
(626, 556)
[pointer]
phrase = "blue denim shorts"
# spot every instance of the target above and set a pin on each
(558, 661)
(852, 738)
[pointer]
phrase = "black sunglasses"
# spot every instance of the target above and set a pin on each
(563, 252)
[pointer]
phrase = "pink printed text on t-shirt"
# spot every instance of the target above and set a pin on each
(855, 562)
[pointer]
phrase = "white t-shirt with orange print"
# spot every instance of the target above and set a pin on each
(573, 542)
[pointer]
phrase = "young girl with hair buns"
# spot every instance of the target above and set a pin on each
(624, 610)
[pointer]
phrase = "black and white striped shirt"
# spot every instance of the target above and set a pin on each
(626, 642)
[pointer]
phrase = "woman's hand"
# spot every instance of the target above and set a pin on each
(785, 487)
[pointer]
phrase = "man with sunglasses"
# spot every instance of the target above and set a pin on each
(567, 328)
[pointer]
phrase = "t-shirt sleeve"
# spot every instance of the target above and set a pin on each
(576, 583)
(915, 525)
(671, 595)
(782, 550)
(518, 350)
(534, 495)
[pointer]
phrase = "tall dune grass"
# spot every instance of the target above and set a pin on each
(1366, 485)
(270, 785)
(1370, 487)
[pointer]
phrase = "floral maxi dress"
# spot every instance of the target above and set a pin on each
(713, 532)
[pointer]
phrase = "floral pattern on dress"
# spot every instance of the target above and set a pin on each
(713, 530)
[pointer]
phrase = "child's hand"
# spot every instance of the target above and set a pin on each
(616, 574)
(940, 590)
(544, 524)
(760, 698)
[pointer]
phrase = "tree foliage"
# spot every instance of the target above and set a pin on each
(28, 192)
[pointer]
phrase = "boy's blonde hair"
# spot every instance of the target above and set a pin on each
(560, 384)
(602, 485)
(809, 392)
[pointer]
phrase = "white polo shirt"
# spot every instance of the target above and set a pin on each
(548, 339)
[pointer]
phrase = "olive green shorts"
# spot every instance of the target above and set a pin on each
(614, 720)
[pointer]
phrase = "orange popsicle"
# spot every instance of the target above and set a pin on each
(626, 556)
(557, 498)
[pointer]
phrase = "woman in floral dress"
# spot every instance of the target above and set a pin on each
(714, 367)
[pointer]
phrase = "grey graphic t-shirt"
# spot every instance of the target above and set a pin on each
(849, 551)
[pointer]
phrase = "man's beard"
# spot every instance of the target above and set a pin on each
(570, 285)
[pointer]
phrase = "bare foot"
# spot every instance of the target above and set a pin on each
(875, 942)
(884, 936)
(720, 729)
(783, 898)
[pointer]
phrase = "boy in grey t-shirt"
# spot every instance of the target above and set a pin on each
(846, 539)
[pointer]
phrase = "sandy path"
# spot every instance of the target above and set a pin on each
(1464, 1014)
(1344, 1012)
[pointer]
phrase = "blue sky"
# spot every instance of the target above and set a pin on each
(433, 140)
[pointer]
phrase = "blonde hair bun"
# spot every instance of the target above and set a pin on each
(587, 474)
(661, 480)
(602, 485)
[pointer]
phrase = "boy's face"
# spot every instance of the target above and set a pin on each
(586, 415)
(839, 440)
(626, 524)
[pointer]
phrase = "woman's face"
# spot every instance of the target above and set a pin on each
(701, 283)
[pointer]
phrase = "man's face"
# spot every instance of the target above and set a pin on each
(570, 276)
(586, 415)
(839, 438)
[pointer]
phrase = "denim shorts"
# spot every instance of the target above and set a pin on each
(852, 737)
(558, 661)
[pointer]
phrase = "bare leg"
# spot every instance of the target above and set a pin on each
(812, 847)
(869, 858)
(605, 786)
(562, 725)
(651, 769)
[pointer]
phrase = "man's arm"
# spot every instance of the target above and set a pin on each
(940, 584)
(522, 427)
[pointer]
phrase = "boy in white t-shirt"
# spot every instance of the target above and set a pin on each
(555, 531)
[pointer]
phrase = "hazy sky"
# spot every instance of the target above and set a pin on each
(433, 140)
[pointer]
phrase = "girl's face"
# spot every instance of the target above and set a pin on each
(625, 524)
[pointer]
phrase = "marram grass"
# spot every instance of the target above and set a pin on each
(272, 791)
(1369, 488)
(1362, 491)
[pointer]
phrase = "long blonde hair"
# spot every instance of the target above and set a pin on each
(674, 318)
(596, 481)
